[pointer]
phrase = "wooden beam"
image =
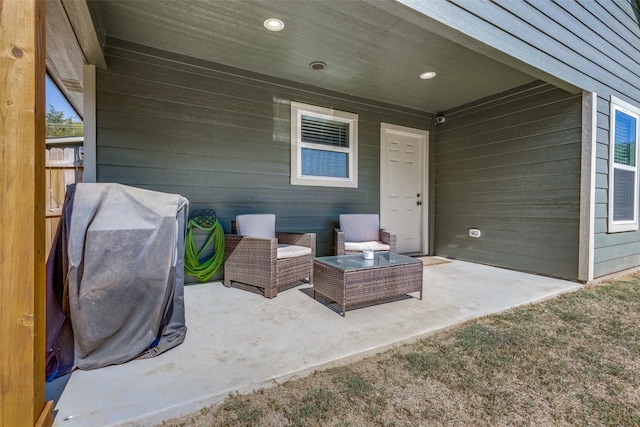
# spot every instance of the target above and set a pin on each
(46, 416)
(64, 55)
(22, 180)
(80, 19)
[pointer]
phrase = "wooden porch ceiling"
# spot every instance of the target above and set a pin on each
(370, 48)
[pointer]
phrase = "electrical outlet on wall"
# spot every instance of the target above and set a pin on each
(474, 232)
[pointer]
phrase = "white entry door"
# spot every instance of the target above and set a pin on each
(403, 184)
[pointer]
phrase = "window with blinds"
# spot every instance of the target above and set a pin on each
(623, 171)
(323, 146)
(322, 131)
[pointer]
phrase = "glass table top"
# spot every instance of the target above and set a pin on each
(356, 261)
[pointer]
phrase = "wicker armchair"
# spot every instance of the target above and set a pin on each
(269, 260)
(358, 232)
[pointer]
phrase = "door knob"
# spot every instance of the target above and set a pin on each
(419, 203)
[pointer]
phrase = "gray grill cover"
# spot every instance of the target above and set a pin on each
(125, 278)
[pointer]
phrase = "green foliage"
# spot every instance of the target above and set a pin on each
(59, 126)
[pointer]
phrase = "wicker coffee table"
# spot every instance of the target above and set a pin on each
(351, 280)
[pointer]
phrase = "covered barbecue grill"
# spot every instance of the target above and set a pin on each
(115, 277)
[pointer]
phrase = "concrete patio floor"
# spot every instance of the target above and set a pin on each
(240, 341)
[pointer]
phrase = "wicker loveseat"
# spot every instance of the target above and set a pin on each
(261, 257)
(358, 232)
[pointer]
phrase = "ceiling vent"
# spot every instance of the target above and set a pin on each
(318, 65)
(72, 85)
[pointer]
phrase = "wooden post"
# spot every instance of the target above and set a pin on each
(22, 180)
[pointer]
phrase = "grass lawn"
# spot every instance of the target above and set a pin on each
(573, 360)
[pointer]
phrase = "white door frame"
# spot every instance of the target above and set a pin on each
(388, 128)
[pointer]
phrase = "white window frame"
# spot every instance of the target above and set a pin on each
(617, 104)
(299, 109)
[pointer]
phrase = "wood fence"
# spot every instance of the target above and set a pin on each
(63, 167)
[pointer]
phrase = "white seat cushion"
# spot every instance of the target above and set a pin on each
(292, 251)
(360, 246)
(360, 227)
(256, 225)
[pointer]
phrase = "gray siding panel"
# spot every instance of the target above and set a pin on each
(613, 251)
(588, 23)
(592, 45)
(511, 169)
(220, 137)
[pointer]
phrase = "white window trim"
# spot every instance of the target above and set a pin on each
(297, 110)
(622, 226)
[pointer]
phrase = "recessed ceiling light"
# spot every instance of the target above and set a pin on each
(318, 65)
(428, 75)
(273, 24)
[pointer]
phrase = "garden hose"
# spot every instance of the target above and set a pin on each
(207, 222)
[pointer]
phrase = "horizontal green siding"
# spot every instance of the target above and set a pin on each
(614, 252)
(510, 166)
(221, 138)
(589, 44)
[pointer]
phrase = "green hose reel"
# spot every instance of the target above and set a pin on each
(206, 221)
